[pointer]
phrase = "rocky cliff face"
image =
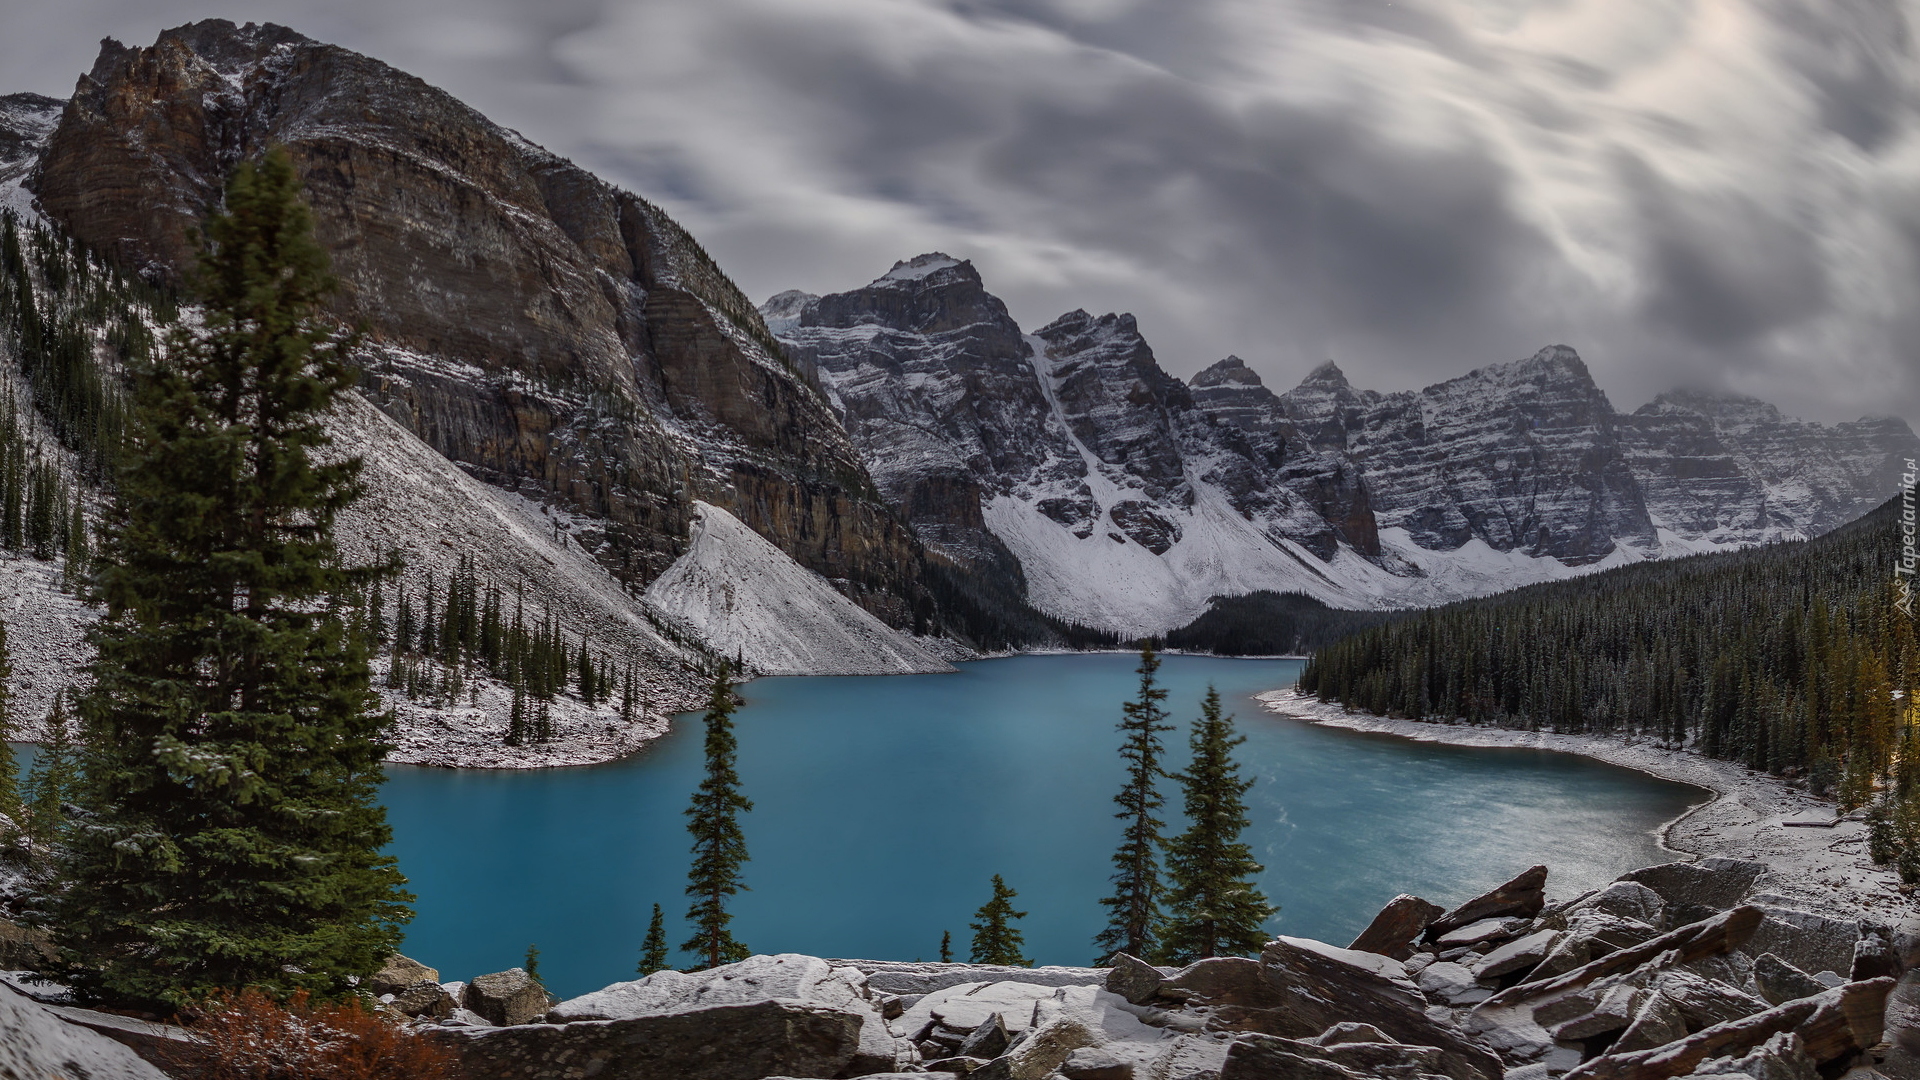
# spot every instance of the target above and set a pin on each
(1130, 498)
(553, 334)
(25, 122)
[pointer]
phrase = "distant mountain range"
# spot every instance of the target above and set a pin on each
(1129, 498)
(563, 384)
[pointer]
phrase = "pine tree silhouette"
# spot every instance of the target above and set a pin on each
(995, 939)
(1213, 906)
(1133, 911)
(719, 847)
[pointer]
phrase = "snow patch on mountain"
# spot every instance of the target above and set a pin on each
(748, 599)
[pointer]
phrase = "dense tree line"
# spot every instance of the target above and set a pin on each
(440, 638)
(1269, 624)
(1791, 658)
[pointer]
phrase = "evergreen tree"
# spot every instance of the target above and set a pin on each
(995, 939)
(533, 964)
(1213, 906)
(946, 946)
(52, 779)
(1133, 911)
(653, 951)
(719, 847)
(231, 751)
(10, 800)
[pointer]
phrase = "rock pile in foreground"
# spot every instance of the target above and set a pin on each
(1679, 970)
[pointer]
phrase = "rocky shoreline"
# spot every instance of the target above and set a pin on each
(1676, 970)
(1814, 856)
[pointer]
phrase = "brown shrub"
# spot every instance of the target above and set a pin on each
(250, 1036)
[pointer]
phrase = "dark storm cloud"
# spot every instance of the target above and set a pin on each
(1711, 192)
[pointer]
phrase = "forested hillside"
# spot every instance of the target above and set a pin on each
(1791, 658)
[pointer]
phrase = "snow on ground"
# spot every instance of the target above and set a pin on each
(1826, 869)
(748, 599)
(46, 638)
(418, 501)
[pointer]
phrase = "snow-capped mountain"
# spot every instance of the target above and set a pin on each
(1129, 498)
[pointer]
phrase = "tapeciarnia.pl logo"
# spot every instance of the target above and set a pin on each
(1903, 568)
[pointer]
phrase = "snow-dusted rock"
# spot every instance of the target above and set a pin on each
(36, 1042)
(748, 599)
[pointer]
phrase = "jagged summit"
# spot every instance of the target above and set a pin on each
(1327, 376)
(1716, 404)
(1232, 372)
(921, 267)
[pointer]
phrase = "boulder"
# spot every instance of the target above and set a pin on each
(1781, 982)
(35, 1042)
(426, 999)
(1606, 932)
(1813, 943)
(1478, 932)
(1350, 1032)
(782, 976)
(1522, 954)
(1873, 957)
(1612, 1009)
(1833, 1027)
(1656, 1023)
(1222, 980)
(1044, 1050)
(1704, 1002)
(1134, 979)
(988, 1041)
(1093, 1063)
(912, 979)
(398, 974)
(506, 998)
(1524, 896)
(719, 1042)
(1698, 889)
(1781, 1057)
(1450, 983)
(1398, 925)
(1189, 1057)
(1628, 900)
(1265, 1057)
(960, 1009)
(777, 977)
(1322, 985)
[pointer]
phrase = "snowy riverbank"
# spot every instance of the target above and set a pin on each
(1825, 868)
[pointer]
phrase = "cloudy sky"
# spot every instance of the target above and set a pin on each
(1720, 193)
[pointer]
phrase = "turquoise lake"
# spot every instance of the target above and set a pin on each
(883, 806)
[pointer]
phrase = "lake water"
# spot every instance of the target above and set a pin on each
(884, 805)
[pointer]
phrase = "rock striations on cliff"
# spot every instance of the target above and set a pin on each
(1129, 499)
(551, 334)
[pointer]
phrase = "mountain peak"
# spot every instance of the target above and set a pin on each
(921, 267)
(1327, 375)
(1232, 371)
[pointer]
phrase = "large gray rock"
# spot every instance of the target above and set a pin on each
(506, 997)
(1322, 986)
(399, 973)
(1522, 897)
(1223, 980)
(1394, 930)
(1045, 1049)
(426, 999)
(1811, 942)
(912, 979)
(720, 1042)
(1701, 888)
(1521, 954)
(777, 977)
(1628, 900)
(36, 1043)
(1780, 981)
(1134, 979)
(1266, 1057)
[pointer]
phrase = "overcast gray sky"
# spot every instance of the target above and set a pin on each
(1719, 193)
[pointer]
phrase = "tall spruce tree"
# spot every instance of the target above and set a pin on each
(719, 847)
(51, 781)
(1133, 911)
(653, 950)
(11, 803)
(1213, 906)
(995, 939)
(232, 754)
